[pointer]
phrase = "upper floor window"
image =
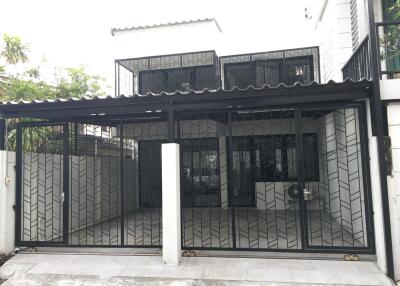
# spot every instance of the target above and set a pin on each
(271, 72)
(183, 79)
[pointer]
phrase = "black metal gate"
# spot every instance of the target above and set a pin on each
(275, 179)
(87, 183)
(281, 179)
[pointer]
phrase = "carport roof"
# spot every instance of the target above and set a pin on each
(297, 94)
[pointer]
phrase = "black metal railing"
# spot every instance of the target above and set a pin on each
(167, 73)
(272, 68)
(359, 65)
(388, 34)
(200, 70)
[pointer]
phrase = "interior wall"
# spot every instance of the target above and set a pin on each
(94, 193)
(341, 180)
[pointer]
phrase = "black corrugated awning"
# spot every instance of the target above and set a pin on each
(282, 95)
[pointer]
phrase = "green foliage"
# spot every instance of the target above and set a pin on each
(75, 82)
(394, 10)
(36, 140)
(19, 89)
(70, 82)
(14, 51)
(390, 38)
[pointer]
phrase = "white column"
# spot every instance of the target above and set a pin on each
(171, 204)
(393, 111)
(377, 204)
(7, 200)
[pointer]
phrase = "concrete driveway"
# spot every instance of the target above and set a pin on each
(101, 269)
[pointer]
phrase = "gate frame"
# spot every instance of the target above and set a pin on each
(19, 180)
(305, 247)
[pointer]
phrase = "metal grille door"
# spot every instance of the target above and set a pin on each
(263, 169)
(336, 200)
(41, 190)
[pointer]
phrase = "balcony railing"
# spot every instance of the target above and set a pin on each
(388, 44)
(272, 68)
(388, 34)
(200, 70)
(359, 65)
(167, 73)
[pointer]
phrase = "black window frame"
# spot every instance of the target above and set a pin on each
(261, 174)
(284, 64)
(193, 78)
(203, 145)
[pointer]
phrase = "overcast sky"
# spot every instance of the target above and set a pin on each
(74, 32)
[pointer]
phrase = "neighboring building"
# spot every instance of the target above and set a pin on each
(268, 153)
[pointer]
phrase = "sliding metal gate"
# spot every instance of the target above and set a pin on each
(283, 179)
(88, 184)
(276, 179)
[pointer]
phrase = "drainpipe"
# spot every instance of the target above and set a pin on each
(2, 133)
(378, 124)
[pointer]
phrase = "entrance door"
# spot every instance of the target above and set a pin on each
(42, 183)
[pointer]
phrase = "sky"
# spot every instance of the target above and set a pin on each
(69, 33)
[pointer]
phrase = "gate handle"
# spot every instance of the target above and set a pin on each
(62, 197)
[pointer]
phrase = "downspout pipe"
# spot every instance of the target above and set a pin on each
(378, 124)
(2, 133)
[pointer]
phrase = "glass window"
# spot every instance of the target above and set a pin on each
(183, 79)
(268, 72)
(299, 70)
(205, 78)
(278, 158)
(200, 173)
(151, 81)
(179, 79)
(239, 75)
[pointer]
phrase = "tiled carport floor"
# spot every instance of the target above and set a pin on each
(101, 269)
(212, 227)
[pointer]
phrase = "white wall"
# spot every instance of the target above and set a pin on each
(394, 183)
(333, 28)
(167, 40)
(341, 178)
(7, 201)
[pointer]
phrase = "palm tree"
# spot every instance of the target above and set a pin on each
(14, 51)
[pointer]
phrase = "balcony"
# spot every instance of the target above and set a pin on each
(205, 70)
(272, 68)
(168, 73)
(388, 44)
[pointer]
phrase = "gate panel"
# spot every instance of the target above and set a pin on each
(95, 193)
(335, 192)
(40, 189)
(206, 212)
(142, 180)
(264, 180)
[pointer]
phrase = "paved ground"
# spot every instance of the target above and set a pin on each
(100, 269)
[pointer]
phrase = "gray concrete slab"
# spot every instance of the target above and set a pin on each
(103, 269)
